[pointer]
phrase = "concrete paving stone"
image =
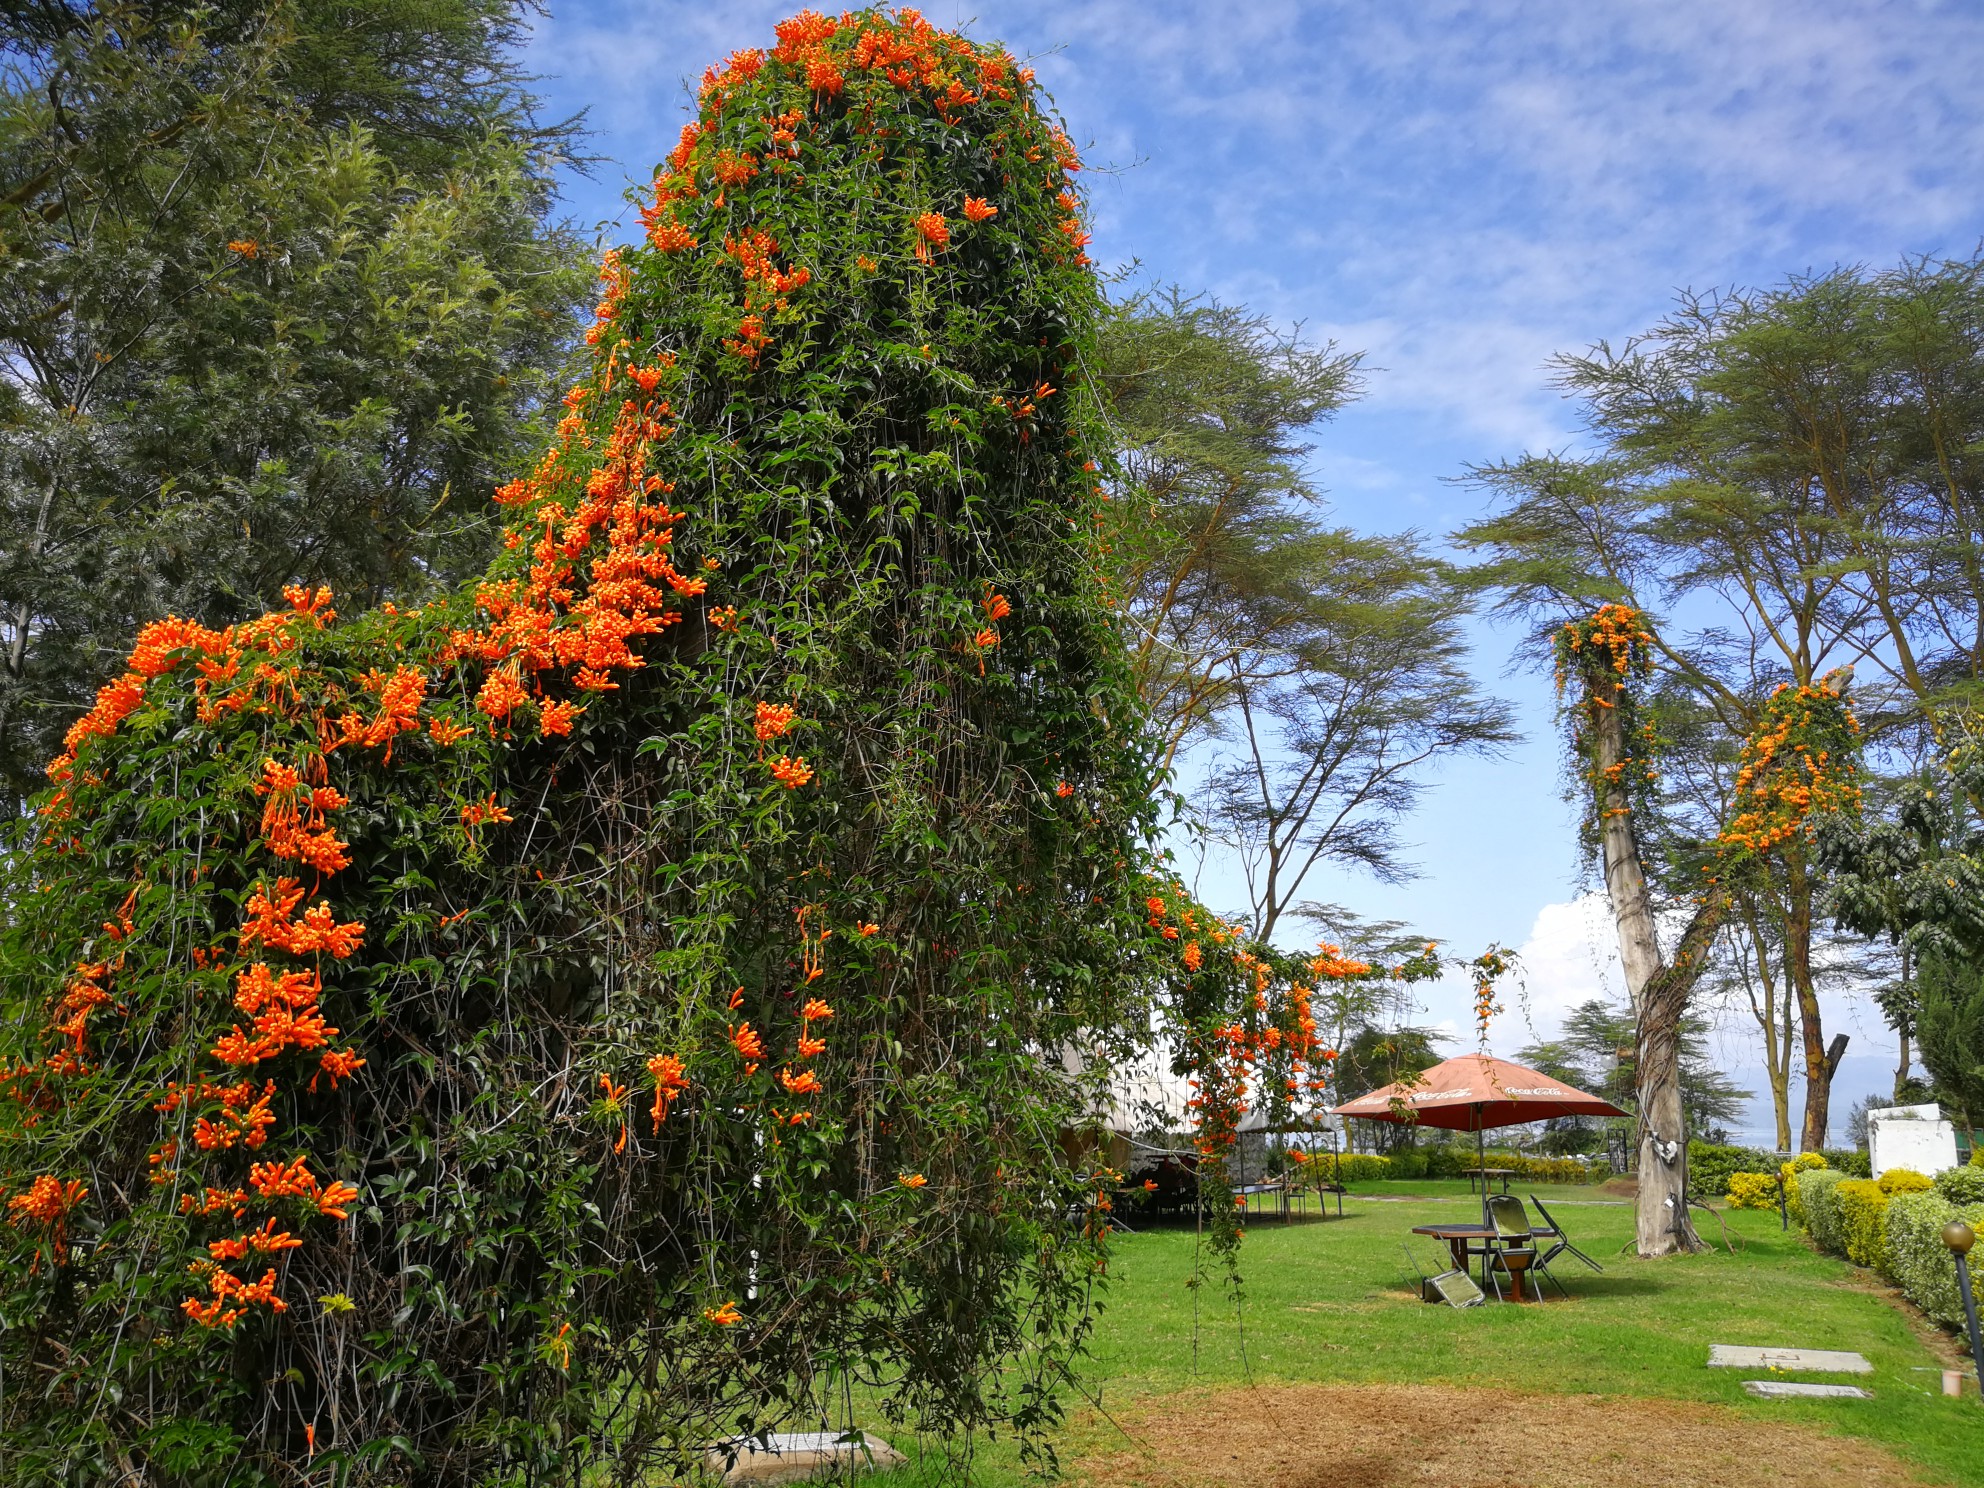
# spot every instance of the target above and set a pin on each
(1817, 1361)
(1795, 1390)
(793, 1457)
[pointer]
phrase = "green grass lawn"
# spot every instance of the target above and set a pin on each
(1327, 1301)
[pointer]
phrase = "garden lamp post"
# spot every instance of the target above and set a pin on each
(1959, 1237)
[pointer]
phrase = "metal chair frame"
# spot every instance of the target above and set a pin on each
(1563, 1243)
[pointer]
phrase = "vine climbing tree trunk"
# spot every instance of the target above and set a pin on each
(1659, 990)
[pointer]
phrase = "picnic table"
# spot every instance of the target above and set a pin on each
(1465, 1240)
(1487, 1176)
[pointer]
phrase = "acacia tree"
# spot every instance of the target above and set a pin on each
(1216, 545)
(280, 298)
(613, 1004)
(1795, 470)
(1320, 672)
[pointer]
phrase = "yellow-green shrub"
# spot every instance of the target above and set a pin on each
(1863, 1214)
(1904, 1180)
(1818, 1207)
(1805, 1162)
(1919, 1262)
(1351, 1167)
(1752, 1191)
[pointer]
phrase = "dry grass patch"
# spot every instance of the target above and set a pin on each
(1429, 1436)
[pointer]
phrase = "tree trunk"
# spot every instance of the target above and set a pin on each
(1775, 1017)
(1659, 995)
(1820, 1061)
(1905, 1058)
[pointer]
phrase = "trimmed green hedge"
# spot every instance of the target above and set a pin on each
(1450, 1162)
(1917, 1260)
(1961, 1185)
(1819, 1207)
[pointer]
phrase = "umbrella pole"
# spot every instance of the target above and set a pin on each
(1481, 1162)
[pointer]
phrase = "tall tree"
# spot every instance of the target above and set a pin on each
(1605, 663)
(1595, 1052)
(1915, 875)
(1322, 671)
(280, 297)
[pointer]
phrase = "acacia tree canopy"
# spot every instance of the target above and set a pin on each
(280, 299)
(1323, 673)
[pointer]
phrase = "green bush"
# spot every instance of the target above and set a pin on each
(1710, 1167)
(1819, 1207)
(1408, 1163)
(1863, 1221)
(1448, 1160)
(1852, 1161)
(1962, 1185)
(1918, 1261)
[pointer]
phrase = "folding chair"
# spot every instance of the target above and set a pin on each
(1452, 1286)
(1562, 1244)
(1511, 1222)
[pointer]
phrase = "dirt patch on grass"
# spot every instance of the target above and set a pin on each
(1621, 1187)
(1427, 1436)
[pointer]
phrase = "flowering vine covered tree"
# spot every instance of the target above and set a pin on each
(1798, 767)
(1602, 665)
(524, 1037)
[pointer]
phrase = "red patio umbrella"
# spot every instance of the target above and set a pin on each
(1475, 1092)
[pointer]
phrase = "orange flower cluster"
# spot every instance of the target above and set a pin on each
(773, 719)
(1607, 650)
(294, 1180)
(1487, 969)
(791, 773)
(164, 644)
(766, 290)
(1798, 764)
(1275, 1027)
(1616, 636)
(293, 820)
(750, 1047)
(232, 1297)
(806, 1081)
(48, 1202)
(904, 54)
(560, 617)
(478, 813)
(317, 933)
(670, 1082)
(400, 696)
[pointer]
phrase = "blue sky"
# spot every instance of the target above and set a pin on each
(1459, 191)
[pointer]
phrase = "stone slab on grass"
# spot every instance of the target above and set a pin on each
(1794, 1390)
(793, 1457)
(1815, 1361)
